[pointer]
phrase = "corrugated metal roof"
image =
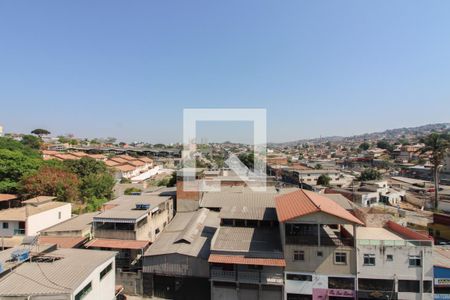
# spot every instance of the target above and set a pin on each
(248, 213)
(76, 223)
(169, 240)
(255, 242)
(302, 202)
(241, 260)
(62, 241)
(61, 276)
(117, 244)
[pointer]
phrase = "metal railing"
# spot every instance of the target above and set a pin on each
(19, 231)
(395, 243)
(313, 241)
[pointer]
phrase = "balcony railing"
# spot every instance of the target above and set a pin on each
(19, 231)
(247, 276)
(313, 241)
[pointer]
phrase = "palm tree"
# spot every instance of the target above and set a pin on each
(438, 145)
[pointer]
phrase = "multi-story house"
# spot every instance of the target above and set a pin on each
(246, 258)
(319, 251)
(129, 224)
(176, 265)
(36, 214)
(62, 274)
(394, 262)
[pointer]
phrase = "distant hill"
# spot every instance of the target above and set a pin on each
(387, 134)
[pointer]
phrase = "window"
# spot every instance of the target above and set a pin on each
(389, 257)
(81, 294)
(299, 277)
(369, 259)
(428, 286)
(340, 258)
(438, 233)
(59, 215)
(157, 231)
(341, 283)
(319, 253)
(409, 286)
(414, 261)
(5, 225)
(299, 255)
(105, 271)
(385, 285)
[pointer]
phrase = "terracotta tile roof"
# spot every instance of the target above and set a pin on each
(126, 157)
(146, 159)
(78, 154)
(7, 197)
(117, 244)
(62, 241)
(125, 168)
(136, 163)
(301, 203)
(119, 160)
(242, 260)
(111, 163)
(97, 156)
(66, 156)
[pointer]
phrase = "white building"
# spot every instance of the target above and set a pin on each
(394, 262)
(62, 274)
(37, 214)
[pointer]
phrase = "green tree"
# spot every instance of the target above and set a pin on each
(370, 174)
(14, 165)
(40, 132)
(13, 145)
(438, 145)
(383, 144)
(324, 180)
(31, 141)
(132, 190)
(247, 159)
(364, 146)
(96, 179)
(318, 167)
(51, 181)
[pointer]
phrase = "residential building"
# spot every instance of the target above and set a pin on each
(320, 252)
(176, 264)
(394, 262)
(440, 227)
(129, 224)
(246, 258)
(60, 274)
(71, 233)
(36, 214)
(441, 261)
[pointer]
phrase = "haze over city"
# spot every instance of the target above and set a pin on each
(109, 68)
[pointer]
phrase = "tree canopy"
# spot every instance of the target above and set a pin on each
(324, 180)
(370, 174)
(364, 146)
(40, 132)
(31, 141)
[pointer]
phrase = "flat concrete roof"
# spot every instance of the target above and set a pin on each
(376, 233)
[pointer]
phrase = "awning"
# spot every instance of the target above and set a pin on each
(241, 260)
(117, 244)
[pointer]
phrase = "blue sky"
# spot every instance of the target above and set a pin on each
(128, 68)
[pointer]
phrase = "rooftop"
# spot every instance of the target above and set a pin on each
(248, 213)
(189, 233)
(301, 203)
(76, 223)
(53, 278)
(62, 241)
(254, 242)
(20, 213)
(7, 197)
(117, 244)
(124, 207)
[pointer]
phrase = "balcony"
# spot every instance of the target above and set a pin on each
(19, 231)
(247, 276)
(314, 241)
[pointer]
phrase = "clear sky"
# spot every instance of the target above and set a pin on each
(128, 68)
